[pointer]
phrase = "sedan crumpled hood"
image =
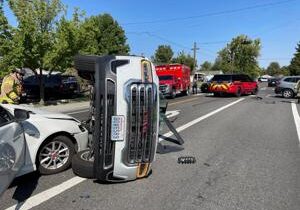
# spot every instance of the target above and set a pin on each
(43, 113)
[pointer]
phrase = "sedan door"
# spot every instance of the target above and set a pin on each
(12, 148)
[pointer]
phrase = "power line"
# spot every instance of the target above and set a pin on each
(212, 13)
(208, 52)
(158, 37)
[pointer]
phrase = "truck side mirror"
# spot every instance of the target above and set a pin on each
(21, 115)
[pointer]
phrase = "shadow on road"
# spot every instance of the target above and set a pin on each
(25, 186)
(165, 149)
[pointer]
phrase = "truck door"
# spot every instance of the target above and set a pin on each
(12, 148)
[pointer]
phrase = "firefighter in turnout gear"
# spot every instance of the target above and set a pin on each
(11, 88)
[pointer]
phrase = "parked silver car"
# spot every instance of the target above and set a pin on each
(286, 86)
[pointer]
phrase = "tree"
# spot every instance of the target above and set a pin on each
(67, 43)
(185, 59)
(284, 71)
(46, 40)
(5, 38)
(273, 69)
(33, 37)
(294, 67)
(206, 66)
(102, 35)
(239, 56)
(163, 54)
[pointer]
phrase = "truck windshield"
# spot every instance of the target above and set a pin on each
(166, 77)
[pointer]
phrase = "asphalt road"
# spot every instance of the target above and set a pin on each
(248, 157)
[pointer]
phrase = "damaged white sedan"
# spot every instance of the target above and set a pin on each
(50, 139)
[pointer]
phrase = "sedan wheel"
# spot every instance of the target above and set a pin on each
(287, 93)
(55, 155)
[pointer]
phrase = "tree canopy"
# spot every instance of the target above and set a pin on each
(273, 69)
(102, 35)
(163, 54)
(185, 59)
(45, 39)
(206, 66)
(294, 67)
(239, 56)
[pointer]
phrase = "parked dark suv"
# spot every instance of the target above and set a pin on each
(272, 82)
(56, 87)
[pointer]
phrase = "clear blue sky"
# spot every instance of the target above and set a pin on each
(208, 23)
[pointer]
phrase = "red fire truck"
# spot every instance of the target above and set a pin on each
(173, 79)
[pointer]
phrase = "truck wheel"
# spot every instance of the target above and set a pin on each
(173, 94)
(187, 92)
(216, 94)
(255, 91)
(238, 92)
(82, 166)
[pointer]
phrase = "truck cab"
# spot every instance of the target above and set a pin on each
(168, 85)
(124, 111)
(173, 79)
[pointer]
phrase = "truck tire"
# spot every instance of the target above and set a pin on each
(173, 94)
(238, 92)
(187, 92)
(81, 166)
(216, 94)
(255, 91)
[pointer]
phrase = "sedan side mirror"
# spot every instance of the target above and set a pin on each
(21, 115)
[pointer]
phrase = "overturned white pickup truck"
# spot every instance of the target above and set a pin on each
(124, 118)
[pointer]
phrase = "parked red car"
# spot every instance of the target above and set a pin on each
(236, 84)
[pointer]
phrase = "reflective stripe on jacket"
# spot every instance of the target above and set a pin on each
(10, 90)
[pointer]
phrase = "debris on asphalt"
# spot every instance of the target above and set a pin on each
(186, 160)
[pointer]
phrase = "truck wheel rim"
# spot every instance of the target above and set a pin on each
(54, 155)
(85, 156)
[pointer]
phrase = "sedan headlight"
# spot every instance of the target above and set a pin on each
(82, 128)
(7, 157)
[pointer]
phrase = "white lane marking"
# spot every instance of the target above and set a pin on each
(296, 119)
(195, 121)
(54, 191)
(174, 113)
(47, 194)
(263, 88)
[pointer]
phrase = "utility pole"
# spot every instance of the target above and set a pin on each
(195, 52)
